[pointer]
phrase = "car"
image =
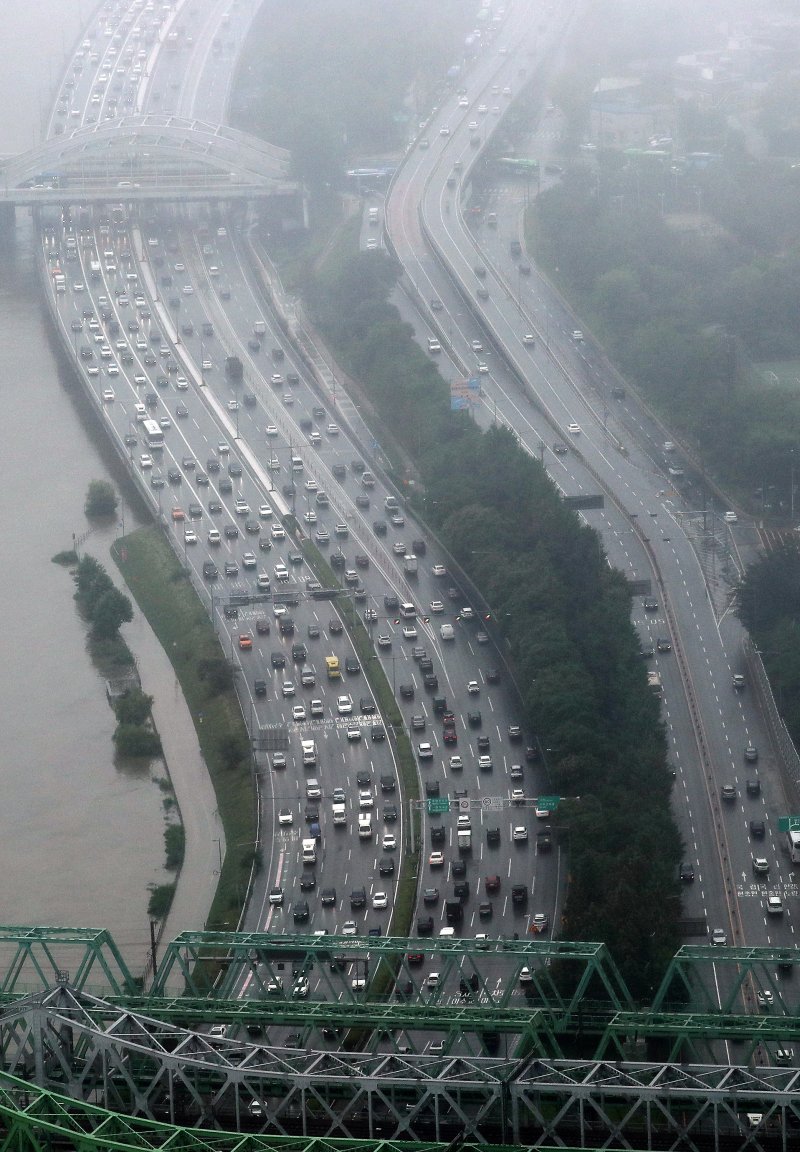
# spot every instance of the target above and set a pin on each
(436, 860)
(528, 338)
(276, 896)
(349, 928)
(540, 922)
(753, 787)
(300, 911)
(485, 910)
(757, 829)
(299, 712)
(751, 754)
(573, 429)
(278, 759)
(517, 795)
(365, 798)
(577, 335)
(738, 681)
(409, 632)
(245, 641)
(650, 605)
(388, 842)
(344, 705)
(760, 865)
(285, 817)
(424, 925)
(474, 718)
(765, 999)
(731, 518)
(485, 763)
(663, 644)
(425, 751)
(353, 733)
(516, 772)
(719, 937)
(774, 904)
(249, 560)
(389, 813)
(380, 900)
(520, 834)
(287, 688)
(687, 872)
(728, 792)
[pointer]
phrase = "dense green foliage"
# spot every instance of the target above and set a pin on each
(137, 740)
(330, 78)
(685, 313)
(134, 707)
(768, 604)
(103, 605)
(101, 499)
(564, 614)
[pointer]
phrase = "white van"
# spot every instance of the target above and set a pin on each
(447, 632)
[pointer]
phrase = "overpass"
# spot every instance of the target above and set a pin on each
(146, 158)
(574, 1064)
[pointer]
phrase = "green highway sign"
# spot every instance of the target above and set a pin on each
(789, 823)
(438, 804)
(548, 803)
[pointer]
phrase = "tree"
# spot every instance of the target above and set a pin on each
(134, 707)
(101, 499)
(109, 612)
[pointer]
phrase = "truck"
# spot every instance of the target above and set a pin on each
(309, 748)
(339, 814)
(309, 851)
(410, 564)
(453, 912)
(234, 368)
(464, 836)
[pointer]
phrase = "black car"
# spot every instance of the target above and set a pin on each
(458, 868)
(461, 890)
(278, 660)
(757, 830)
(663, 645)
(363, 779)
(389, 813)
(431, 787)
(474, 719)
(519, 895)
(367, 705)
(334, 626)
(173, 475)
(351, 665)
(424, 925)
(313, 631)
(483, 743)
(491, 676)
(300, 911)
(485, 910)
(391, 603)
(231, 532)
(407, 691)
(210, 570)
(308, 881)
(234, 468)
(260, 687)
(379, 527)
(438, 834)
(430, 896)
(362, 501)
(492, 837)
(377, 733)
(328, 896)
(225, 485)
(687, 872)
(231, 568)
(386, 866)
(418, 722)
(430, 681)
(299, 653)
(388, 783)
(358, 898)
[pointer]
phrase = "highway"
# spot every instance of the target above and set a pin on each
(152, 307)
(647, 524)
(177, 273)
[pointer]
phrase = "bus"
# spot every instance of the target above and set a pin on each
(154, 437)
(793, 838)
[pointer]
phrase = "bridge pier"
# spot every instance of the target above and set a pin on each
(8, 218)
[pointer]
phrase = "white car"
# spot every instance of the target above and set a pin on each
(389, 842)
(344, 705)
(311, 485)
(353, 733)
(438, 570)
(731, 518)
(271, 430)
(436, 860)
(456, 763)
(517, 796)
(383, 641)
(380, 900)
(108, 395)
(190, 536)
(264, 511)
(299, 712)
(529, 338)
(409, 632)
(577, 335)
(287, 688)
(241, 507)
(145, 460)
(425, 751)
(473, 688)
(573, 429)
(437, 607)
(349, 928)
(310, 517)
(285, 817)
(365, 799)
(277, 532)
(520, 834)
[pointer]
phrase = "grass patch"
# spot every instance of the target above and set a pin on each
(181, 623)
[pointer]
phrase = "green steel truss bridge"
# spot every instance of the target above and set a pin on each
(561, 1057)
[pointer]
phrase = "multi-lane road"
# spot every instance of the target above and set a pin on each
(153, 307)
(181, 290)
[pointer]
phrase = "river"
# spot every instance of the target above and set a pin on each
(82, 837)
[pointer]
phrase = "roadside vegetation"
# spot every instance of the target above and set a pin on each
(562, 613)
(768, 604)
(176, 615)
(101, 499)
